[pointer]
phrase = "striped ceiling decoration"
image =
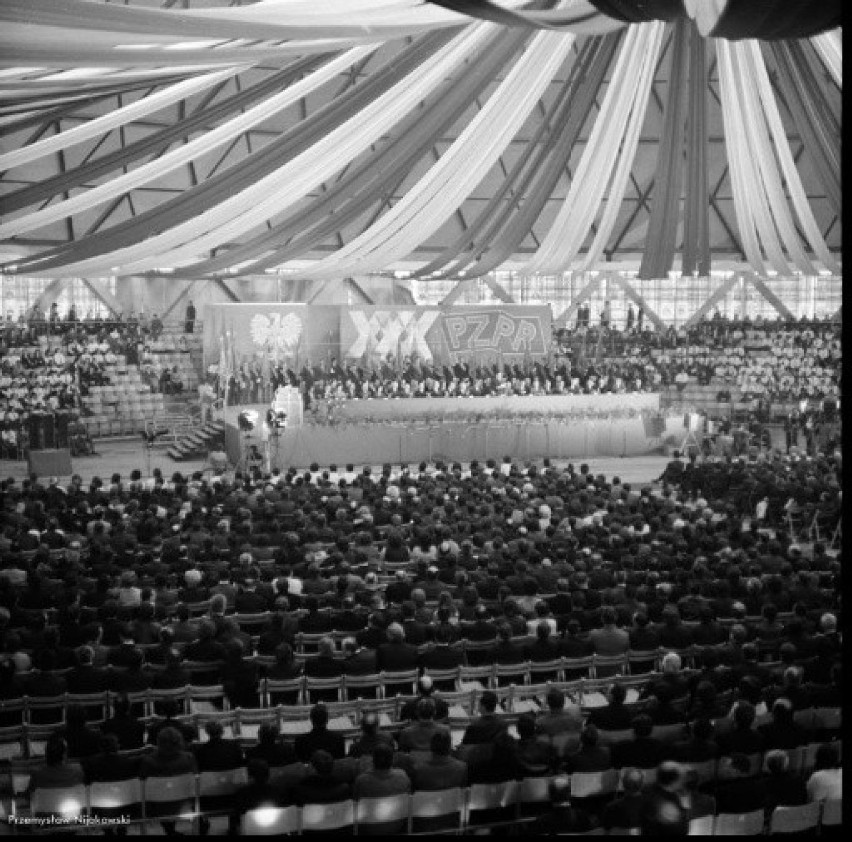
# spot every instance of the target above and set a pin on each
(218, 139)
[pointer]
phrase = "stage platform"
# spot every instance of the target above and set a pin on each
(401, 436)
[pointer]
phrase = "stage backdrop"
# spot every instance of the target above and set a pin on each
(296, 333)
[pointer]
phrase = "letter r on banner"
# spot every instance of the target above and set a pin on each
(525, 336)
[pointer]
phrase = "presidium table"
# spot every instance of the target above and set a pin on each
(376, 431)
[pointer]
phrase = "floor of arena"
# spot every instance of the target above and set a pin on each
(123, 457)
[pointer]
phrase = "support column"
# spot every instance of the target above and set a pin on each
(104, 295)
(711, 301)
(639, 300)
(761, 286)
(457, 291)
(586, 292)
(498, 289)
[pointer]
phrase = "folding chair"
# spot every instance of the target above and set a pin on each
(170, 798)
(323, 690)
(798, 819)
(488, 803)
(13, 741)
(446, 680)
(66, 801)
(435, 810)
(540, 671)
(589, 784)
(216, 789)
(402, 682)
(270, 821)
(476, 678)
(362, 686)
(326, 817)
(382, 816)
(45, 710)
(116, 798)
(701, 826)
(606, 666)
(739, 824)
(506, 674)
(533, 795)
(277, 691)
(832, 813)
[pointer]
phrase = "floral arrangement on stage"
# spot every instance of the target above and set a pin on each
(497, 418)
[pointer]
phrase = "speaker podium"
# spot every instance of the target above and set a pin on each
(53, 463)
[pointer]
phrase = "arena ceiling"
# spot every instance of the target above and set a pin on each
(213, 139)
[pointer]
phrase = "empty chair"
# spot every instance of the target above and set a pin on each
(67, 801)
(588, 784)
(491, 802)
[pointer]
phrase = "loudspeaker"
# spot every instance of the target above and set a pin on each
(53, 463)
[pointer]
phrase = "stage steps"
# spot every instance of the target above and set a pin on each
(198, 443)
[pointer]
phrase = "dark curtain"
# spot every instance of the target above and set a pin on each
(661, 239)
(771, 20)
(695, 251)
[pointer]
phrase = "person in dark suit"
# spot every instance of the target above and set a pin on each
(128, 730)
(370, 736)
(169, 710)
(443, 656)
(358, 660)
(320, 786)
(506, 651)
(85, 678)
(240, 677)
(534, 752)
(249, 600)
(42, 682)
(270, 748)
(82, 741)
(671, 685)
(614, 716)
(170, 758)
(562, 818)
(258, 792)
(132, 679)
(319, 737)
(782, 788)
(626, 811)
(664, 813)
(592, 757)
(737, 790)
(544, 648)
(743, 738)
(488, 726)
(108, 764)
(217, 754)
(699, 747)
(425, 690)
(396, 655)
(282, 628)
(439, 770)
(418, 735)
(643, 751)
(783, 731)
(206, 648)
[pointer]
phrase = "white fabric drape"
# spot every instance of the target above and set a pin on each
(624, 166)
(769, 179)
(705, 13)
(119, 117)
(737, 154)
(593, 173)
(829, 45)
(290, 183)
(782, 146)
(187, 152)
(437, 195)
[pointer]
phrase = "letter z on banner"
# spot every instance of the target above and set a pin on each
(445, 335)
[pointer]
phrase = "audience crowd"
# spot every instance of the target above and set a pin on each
(702, 580)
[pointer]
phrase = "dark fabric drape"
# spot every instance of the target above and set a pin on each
(492, 217)
(219, 187)
(695, 252)
(587, 82)
(485, 10)
(770, 20)
(158, 142)
(812, 116)
(661, 238)
(372, 179)
(640, 11)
